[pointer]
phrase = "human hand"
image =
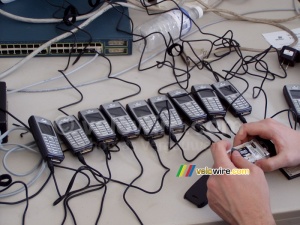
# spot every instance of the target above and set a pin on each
(285, 139)
(238, 199)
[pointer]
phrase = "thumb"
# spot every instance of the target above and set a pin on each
(239, 161)
(271, 164)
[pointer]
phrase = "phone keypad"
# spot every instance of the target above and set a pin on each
(101, 128)
(192, 109)
(125, 124)
(213, 104)
(240, 103)
(77, 138)
(52, 145)
(297, 104)
(147, 123)
(175, 120)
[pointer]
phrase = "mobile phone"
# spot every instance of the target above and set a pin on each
(187, 106)
(94, 124)
(46, 138)
(163, 107)
(208, 99)
(73, 135)
(256, 149)
(119, 119)
(145, 118)
(196, 194)
(291, 93)
(233, 98)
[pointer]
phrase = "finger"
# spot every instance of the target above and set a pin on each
(219, 153)
(271, 164)
(248, 130)
(239, 161)
(241, 137)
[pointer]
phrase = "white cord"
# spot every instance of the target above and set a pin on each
(39, 167)
(45, 20)
(53, 78)
(60, 37)
(136, 65)
(20, 147)
(296, 6)
(52, 20)
(31, 182)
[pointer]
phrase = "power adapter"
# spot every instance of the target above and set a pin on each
(289, 56)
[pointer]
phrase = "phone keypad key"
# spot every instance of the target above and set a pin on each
(101, 128)
(297, 104)
(52, 144)
(77, 138)
(147, 122)
(213, 104)
(192, 109)
(174, 121)
(125, 124)
(239, 103)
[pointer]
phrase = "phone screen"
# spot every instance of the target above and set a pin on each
(228, 90)
(46, 129)
(93, 117)
(142, 111)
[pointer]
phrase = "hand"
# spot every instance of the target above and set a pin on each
(238, 199)
(285, 139)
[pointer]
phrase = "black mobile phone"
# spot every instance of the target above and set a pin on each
(196, 194)
(46, 139)
(291, 93)
(168, 115)
(94, 124)
(145, 118)
(230, 96)
(119, 119)
(208, 99)
(187, 106)
(73, 135)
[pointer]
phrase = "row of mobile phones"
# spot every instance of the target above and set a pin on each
(150, 118)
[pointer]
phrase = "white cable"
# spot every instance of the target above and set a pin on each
(60, 37)
(91, 82)
(9, 131)
(150, 57)
(20, 147)
(296, 6)
(44, 20)
(40, 167)
(53, 78)
(31, 182)
(52, 20)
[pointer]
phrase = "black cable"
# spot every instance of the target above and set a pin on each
(74, 103)
(203, 129)
(5, 180)
(69, 194)
(32, 196)
(214, 122)
(227, 124)
(289, 111)
(51, 167)
(173, 137)
(129, 144)
(68, 190)
(14, 117)
(26, 198)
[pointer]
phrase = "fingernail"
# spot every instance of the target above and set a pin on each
(236, 153)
